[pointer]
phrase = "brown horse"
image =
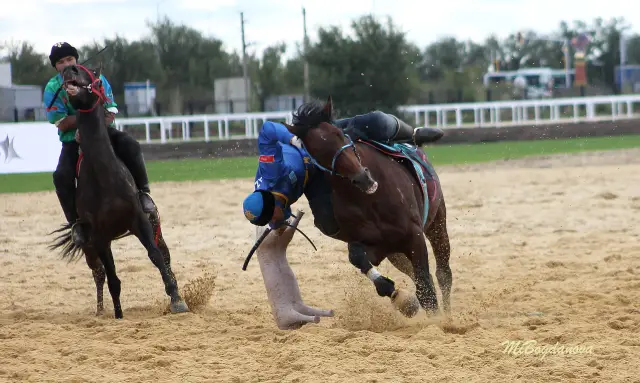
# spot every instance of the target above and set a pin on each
(107, 198)
(380, 204)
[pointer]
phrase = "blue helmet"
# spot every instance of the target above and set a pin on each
(259, 206)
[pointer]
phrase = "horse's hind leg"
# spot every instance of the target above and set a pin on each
(425, 290)
(154, 218)
(439, 239)
(99, 276)
(144, 232)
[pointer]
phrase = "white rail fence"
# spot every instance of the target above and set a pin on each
(447, 116)
(528, 112)
(221, 123)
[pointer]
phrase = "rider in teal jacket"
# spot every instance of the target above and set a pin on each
(61, 114)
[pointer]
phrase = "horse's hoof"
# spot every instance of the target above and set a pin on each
(405, 302)
(179, 307)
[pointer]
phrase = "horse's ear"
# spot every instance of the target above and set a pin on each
(100, 69)
(328, 108)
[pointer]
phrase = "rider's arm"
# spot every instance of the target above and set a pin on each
(272, 132)
(110, 104)
(57, 114)
(272, 166)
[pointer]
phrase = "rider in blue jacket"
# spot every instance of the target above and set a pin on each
(285, 171)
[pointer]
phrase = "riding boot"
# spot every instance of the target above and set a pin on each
(418, 136)
(139, 173)
(67, 200)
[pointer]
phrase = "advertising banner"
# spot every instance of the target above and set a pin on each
(28, 147)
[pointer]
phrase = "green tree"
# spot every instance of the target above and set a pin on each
(373, 70)
(28, 67)
(269, 73)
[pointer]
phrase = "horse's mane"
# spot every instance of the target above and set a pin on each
(310, 115)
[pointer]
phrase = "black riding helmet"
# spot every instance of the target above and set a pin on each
(61, 50)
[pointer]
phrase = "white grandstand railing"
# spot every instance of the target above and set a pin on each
(447, 116)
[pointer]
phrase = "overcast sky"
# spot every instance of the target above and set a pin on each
(45, 22)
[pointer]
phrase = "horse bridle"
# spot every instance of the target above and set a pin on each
(93, 87)
(333, 171)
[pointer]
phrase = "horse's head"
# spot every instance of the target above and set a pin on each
(83, 86)
(330, 149)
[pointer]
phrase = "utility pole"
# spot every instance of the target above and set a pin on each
(567, 63)
(245, 75)
(623, 61)
(158, 2)
(306, 61)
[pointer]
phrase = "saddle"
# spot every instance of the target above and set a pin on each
(418, 165)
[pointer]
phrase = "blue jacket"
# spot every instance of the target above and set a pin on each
(283, 168)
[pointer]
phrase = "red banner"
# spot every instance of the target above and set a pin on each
(581, 72)
(580, 43)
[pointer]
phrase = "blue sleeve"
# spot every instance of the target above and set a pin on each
(108, 91)
(58, 110)
(273, 132)
(272, 168)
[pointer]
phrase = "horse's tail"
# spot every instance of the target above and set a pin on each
(65, 241)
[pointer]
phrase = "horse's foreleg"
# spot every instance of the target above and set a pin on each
(358, 257)
(113, 282)
(99, 276)
(406, 303)
(425, 289)
(144, 233)
(439, 239)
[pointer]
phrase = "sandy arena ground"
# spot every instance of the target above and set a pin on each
(542, 249)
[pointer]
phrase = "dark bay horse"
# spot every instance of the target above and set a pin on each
(379, 204)
(107, 198)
